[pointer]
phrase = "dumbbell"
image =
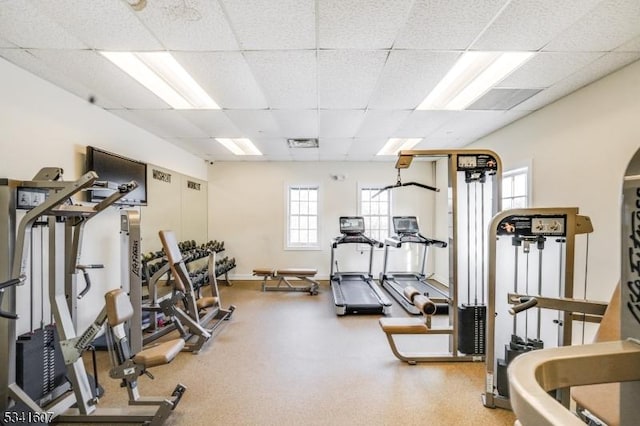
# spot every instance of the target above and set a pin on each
(420, 301)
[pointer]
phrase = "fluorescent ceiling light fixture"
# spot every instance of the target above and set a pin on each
(471, 77)
(239, 146)
(394, 145)
(165, 77)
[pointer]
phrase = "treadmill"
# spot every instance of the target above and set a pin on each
(408, 232)
(356, 292)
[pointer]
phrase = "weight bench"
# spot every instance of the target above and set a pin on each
(394, 326)
(282, 276)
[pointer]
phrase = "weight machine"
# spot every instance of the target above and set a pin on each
(473, 179)
(532, 258)
(49, 197)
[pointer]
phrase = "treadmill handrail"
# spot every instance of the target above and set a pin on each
(355, 239)
(415, 238)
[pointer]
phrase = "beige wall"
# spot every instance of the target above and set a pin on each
(247, 205)
(579, 148)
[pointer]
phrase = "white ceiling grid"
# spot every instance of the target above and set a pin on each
(349, 72)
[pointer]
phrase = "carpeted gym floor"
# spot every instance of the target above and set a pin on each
(287, 359)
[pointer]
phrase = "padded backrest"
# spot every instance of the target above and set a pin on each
(178, 268)
(610, 325)
(119, 308)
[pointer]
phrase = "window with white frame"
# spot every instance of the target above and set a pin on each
(376, 210)
(302, 216)
(515, 189)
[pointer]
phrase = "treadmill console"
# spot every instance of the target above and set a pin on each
(352, 225)
(404, 225)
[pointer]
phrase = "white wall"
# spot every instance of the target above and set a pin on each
(580, 147)
(247, 205)
(43, 125)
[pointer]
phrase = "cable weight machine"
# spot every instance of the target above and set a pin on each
(473, 179)
(532, 255)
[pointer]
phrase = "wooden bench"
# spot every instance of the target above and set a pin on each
(283, 275)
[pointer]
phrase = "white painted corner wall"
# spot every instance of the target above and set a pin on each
(247, 210)
(43, 125)
(579, 148)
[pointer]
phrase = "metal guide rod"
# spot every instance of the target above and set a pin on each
(482, 226)
(539, 312)
(475, 244)
(515, 285)
(526, 248)
(468, 243)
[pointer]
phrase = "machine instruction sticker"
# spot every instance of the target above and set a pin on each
(533, 225)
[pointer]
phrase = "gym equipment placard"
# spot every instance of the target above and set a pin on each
(545, 225)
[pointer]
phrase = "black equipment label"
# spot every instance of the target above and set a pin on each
(477, 162)
(161, 176)
(193, 185)
(545, 225)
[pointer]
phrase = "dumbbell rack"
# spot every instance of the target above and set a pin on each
(155, 267)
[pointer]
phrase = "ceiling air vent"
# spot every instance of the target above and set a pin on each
(503, 99)
(303, 143)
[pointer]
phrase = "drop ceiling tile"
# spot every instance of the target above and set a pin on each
(6, 44)
(305, 155)
(446, 24)
(162, 123)
(530, 25)
(60, 78)
(347, 78)
(273, 147)
(421, 124)
(287, 78)
(297, 123)
(360, 24)
(340, 124)
(200, 147)
(365, 149)
(192, 25)
(502, 99)
(103, 78)
(445, 143)
(268, 24)
(408, 76)
(632, 45)
(604, 65)
(24, 25)
(226, 77)
(475, 124)
(607, 26)
(100, 24)
(213, 123)
(334, 149)
(381, 124)
(547, 68)
(255, 123)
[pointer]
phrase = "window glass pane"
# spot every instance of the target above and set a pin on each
(304, 236)
(313, 222)
(313, 236)
(519, 202)
(507, 204)
(519, 185)
(304, 222)
(313, 208)
(374, 208)
(295, 236)
(365, 194)
(365, 209)
(304, 194)
(295, 208)
(294, 194)
(507, 186)
(313, 195)
(384, 208)
(293, 222)
(375, 221)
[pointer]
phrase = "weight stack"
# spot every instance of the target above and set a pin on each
(40, 368)
(472, 325)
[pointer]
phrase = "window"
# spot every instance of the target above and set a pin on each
(376, 211)
(302, 215)
(515, 189)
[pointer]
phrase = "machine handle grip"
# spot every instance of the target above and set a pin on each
(7, 284)
(524, 303)
(87, 279)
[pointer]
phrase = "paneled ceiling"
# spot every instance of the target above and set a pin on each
(349, 72)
